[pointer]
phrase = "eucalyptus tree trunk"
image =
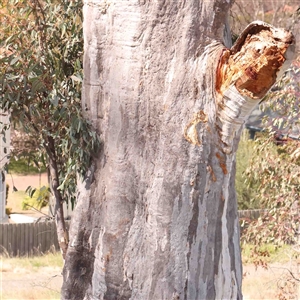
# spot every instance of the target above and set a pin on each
(61, 229)
(157, 214)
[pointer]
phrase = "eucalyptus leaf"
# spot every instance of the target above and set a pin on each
(41, 78)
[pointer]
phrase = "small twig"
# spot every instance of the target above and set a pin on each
(291, 273)
(39, 211)
(4, 157)
(12, 179)
(295, 248)
(46, 283)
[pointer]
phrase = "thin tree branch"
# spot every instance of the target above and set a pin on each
(291, 273)
(38, 211)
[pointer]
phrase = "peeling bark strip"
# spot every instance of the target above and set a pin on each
(157, 218)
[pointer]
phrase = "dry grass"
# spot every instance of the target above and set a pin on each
(265, 283)
(32, 264)
(31, 277)
(261, 283)
(31, 294)
(40, 278)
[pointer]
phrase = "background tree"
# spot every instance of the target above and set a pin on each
(157, 214)
(245, 192)
(40, 69)
(273, 174)
(276, 12)
(282, 14)
(275, 169)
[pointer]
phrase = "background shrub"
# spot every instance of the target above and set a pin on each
(37, 198)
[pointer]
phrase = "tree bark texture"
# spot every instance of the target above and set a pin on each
(157, 214)
(62, 232)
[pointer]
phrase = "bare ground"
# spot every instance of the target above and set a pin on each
(266, 283)
(20, 283)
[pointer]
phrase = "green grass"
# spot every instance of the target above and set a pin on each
(246, 194)
(243, 157)
(51, 259)
(23, 167)
(33, 264)
(38, 200)
(277, 254)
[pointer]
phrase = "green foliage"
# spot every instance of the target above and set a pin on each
(37, 198)
(51, 259)
(41, 75)
(245, 193)
(282, 103)
(267, 252)
(278, 177)
(277, 172)
(24, 167)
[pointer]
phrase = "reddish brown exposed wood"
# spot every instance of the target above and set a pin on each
(222, 163)
(223, 60)
(253, 63)
(211, 171)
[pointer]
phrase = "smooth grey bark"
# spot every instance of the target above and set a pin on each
(157, 214)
